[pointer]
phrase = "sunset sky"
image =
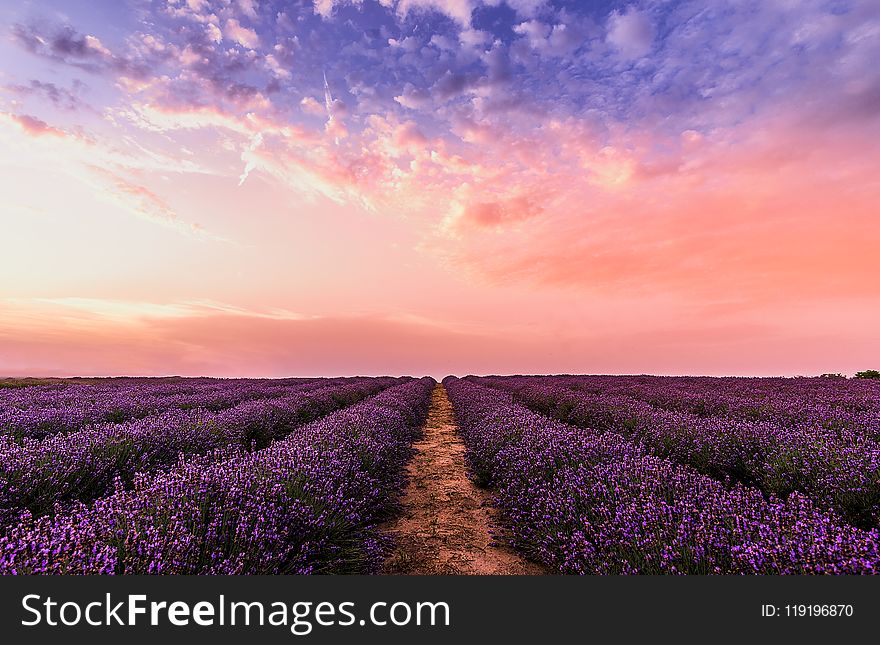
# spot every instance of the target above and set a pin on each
(479, 186)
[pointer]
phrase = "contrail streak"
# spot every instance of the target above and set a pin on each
(328, 105)
(328, 97)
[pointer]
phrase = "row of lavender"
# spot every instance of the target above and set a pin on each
(830, 402)
(37, 412)
(36, 475)
(582, 501)
(838, 467)
(307, 503)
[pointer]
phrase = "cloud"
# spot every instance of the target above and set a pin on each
(64, 44)
(747, 225)
(60, 97)
(168, 118)
(213, 33)
(244, 36)
(140, 201)
(494, 213)
(414, 98)
(324, 8)
(451, 85)
(276, 68)
(32, 126)
(526, 8)
(558, 39)
(108, 169)
(311, 106)
(631, 33)
(408, 136)
(248, 7)
(474, 38)
(458, 10)
(535, 31)
(251, 163)
(197, 6)
(443, 42)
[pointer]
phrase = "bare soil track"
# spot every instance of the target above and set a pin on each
(445, 523)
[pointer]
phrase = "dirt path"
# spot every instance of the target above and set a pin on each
(445, 523)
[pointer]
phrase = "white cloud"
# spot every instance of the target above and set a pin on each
(526, 8)
(276, 67)
(242, 35)
(474, 37)
(324, 8)
(631, 33)
(213, 32)
(248, 7)
(414, 98)
(459, 10)
(535, 31)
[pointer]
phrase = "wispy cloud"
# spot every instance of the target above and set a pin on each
(97, 164)
(33, 126)
(60, 97)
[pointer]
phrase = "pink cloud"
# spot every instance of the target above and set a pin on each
(408, 136)
(749, 224)
(311, 106)
(487, 214)
(244, 36)
(33, 126)
(142, 200)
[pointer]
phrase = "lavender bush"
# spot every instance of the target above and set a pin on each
(309, 503)
(83, 465)
(38, 412)
(837, 467)
(587, 502)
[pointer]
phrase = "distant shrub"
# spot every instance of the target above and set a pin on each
(868, 374)
(832, 375)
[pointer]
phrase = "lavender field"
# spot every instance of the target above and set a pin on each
(680, 475)
(270, 477)
(561, 474)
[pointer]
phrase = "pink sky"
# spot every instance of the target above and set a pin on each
(482, 187)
